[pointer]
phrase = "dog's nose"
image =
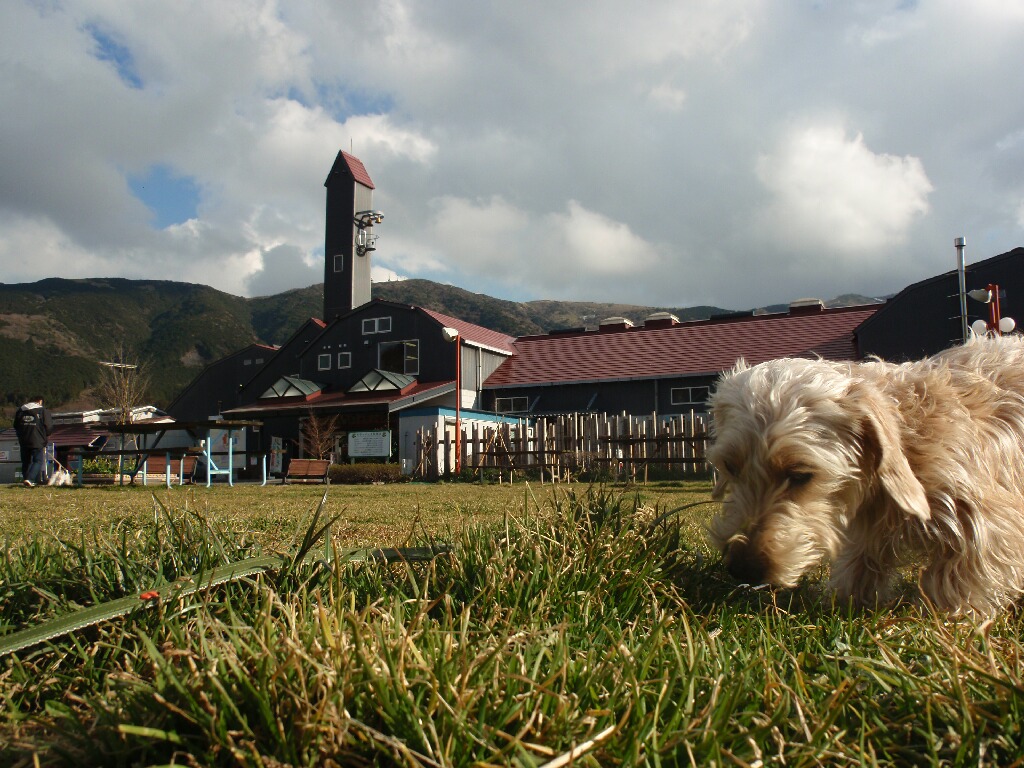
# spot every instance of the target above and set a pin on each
(746, 564)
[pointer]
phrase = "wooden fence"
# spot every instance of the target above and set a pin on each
(562, 447)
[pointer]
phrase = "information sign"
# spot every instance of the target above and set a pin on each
(362, 444)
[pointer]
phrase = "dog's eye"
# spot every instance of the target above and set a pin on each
(798, 478)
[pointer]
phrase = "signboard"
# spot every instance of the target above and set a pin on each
(369, 443)
(276, 454)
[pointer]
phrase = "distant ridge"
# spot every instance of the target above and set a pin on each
(53, 331)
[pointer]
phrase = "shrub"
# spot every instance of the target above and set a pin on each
(100, 465)
(362, 474)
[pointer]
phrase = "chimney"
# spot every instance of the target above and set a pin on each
(806, 307)
(613, 324)
(661, 320)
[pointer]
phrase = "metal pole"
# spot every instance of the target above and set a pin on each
(994, 310)
(458, 405)
(961, 243)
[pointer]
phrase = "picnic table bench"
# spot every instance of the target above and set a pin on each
(155, 466)
(307, 471)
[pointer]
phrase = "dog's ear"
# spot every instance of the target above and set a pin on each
(883, 446)
(721, 485)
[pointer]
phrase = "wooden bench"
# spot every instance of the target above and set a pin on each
(307, 471)
(155, 467)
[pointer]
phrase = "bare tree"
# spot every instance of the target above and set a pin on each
(318, 434)
(124, 383)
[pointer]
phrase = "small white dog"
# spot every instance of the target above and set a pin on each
(873, 466)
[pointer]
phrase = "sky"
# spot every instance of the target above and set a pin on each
(736, 153)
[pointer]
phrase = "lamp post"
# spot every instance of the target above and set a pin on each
(960, 243)
(996, 324)
(452, 334)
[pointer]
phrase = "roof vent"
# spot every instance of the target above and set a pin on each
(806, 306)
(611, 324)
(661, 320)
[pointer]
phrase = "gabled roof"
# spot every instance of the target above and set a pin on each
(281, 353)
(893, 304)
(291, 386)
(474, 334)
(382, 381)
(354, 166)
(690, 349)
(210, 367)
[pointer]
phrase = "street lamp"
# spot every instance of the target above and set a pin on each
(452, 334)
(996, 323)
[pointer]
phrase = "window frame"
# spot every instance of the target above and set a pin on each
(372, 325)
(690, 397)
(405, 359)
(320, 361)
(348, 360)
(512, 403)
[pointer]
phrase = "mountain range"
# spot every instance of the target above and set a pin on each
(55, 332)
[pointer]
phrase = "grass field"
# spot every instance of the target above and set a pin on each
(572, 625)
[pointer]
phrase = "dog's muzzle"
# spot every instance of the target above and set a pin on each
(745, 563)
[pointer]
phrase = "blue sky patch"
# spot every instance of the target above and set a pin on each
(109, 49)
(342, 102)
(173, 199)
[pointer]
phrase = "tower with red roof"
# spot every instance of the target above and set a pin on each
(348, 236)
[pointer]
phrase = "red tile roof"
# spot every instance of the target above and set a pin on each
(703, 347)
(65, 435)
(338, 401)
(475, 333)
(358, 170)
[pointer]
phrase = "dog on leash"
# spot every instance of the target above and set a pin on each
(873, 466)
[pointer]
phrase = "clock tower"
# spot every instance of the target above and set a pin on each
(348, 236)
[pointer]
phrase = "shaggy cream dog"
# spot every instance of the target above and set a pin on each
(873, 466)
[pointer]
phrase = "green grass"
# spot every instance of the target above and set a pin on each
(574, 622)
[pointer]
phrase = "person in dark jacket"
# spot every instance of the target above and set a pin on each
(33, 424)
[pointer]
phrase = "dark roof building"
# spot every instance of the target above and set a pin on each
(924, 318)
(658, 366)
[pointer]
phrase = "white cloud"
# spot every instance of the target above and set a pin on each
(536, 250)
(593, 243)
(283, 265)
(830, 192)
(667, 97)
(385, 275)
(529, 150)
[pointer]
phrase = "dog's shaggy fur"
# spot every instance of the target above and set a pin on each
(875, 465)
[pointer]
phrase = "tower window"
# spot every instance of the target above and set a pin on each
(344, 360)
(339, 262)
(323, 362)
